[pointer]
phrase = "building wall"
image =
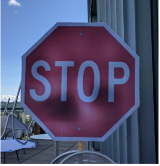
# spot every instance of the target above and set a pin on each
(135, 140)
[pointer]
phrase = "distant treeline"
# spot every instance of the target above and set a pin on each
(10, 105)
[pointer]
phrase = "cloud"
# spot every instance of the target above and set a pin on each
(15, 12)
(6, 97)
(13, 2)
(2, 87)
(16, 89)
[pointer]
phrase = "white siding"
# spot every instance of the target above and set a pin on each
(134, 140)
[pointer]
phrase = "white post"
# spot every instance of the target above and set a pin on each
(24, 117)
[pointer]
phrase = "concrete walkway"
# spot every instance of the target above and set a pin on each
(42, 154)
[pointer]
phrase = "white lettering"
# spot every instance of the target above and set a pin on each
(95, 92)
(42, 79)
(116, 81)
(64, 65)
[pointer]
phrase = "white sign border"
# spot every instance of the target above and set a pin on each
(120, 121)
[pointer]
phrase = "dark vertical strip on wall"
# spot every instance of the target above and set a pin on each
(154, 28)
(146, 109)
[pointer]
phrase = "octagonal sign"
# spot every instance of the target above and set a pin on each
(80, 81)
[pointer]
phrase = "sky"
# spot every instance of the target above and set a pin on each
(23, 23)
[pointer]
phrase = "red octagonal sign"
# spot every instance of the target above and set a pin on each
(80, 81)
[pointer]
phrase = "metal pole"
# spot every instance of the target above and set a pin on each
(5, 110)
(14, 110)
(56, 149)
(13, 119)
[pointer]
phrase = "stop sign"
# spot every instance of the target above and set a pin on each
(80, 81)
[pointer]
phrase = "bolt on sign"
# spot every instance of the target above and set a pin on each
(80, 81)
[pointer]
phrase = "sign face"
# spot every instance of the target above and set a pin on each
(80, 81)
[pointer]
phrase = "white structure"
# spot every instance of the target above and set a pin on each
(135, 21)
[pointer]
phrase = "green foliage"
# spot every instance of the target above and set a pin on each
(10, 105)
(28, 122)
(19, 117)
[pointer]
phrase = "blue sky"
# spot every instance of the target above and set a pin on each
(24, 22)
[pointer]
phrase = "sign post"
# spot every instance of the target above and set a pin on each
(56, 149)
(80, 149)
(80, 81)
(80, 146)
